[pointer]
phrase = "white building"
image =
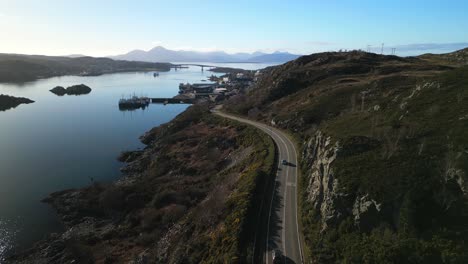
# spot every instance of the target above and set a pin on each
(220, 90)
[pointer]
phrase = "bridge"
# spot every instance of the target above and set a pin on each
(186, 65)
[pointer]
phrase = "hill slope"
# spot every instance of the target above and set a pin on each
(384, 153)
(459, 57)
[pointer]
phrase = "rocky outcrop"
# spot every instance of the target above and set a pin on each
(59, 90)
(78, 89)
(71, 90)
(322, 187)
(453, 173)
(8, 102)
(366, 212)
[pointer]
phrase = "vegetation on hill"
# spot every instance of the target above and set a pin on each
(22, 68)
(189, 197)
(458, 58)
(385, 153)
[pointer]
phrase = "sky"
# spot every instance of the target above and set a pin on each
(111, 27)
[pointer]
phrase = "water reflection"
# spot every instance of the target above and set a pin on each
(7, 234)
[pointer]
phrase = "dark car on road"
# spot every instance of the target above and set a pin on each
(284, 162)
(277, 256)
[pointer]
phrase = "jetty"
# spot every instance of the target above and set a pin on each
(133, 103)
(172, 101)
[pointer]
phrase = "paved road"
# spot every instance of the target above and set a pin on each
(282, 228)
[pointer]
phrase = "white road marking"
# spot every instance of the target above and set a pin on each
(297, 223)
(284, 202)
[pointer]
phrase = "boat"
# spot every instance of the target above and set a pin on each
(156, 74)
(133, 103)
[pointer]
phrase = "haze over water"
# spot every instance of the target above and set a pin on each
(65, 142)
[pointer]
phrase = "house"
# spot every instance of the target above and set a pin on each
(220, 90)
(203, 89)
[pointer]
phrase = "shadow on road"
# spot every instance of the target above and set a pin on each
(285, 260)
(274, 241)
(288, 261)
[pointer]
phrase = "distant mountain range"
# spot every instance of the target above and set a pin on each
(161, 54)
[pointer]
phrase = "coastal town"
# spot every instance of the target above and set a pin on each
(230, 84)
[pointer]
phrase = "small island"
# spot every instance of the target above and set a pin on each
(71, 90)
(8, 102)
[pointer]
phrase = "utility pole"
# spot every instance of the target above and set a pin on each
(369, 48)
(393, 51)
(381, 52)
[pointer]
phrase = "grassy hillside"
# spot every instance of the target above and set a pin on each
(388, 183)
(459, 57)
(21, 68)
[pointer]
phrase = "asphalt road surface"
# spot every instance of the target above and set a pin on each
(282, 230)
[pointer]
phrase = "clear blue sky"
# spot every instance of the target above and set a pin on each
(104, 27)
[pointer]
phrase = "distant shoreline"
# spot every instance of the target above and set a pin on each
(25, 68)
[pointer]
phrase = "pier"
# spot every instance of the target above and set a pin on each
(172, 101)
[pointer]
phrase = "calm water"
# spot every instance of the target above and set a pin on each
(62, 142)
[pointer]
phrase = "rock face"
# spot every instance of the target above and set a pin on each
(366, 212)
(71, 90)
(322, 187)
(8, 102)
